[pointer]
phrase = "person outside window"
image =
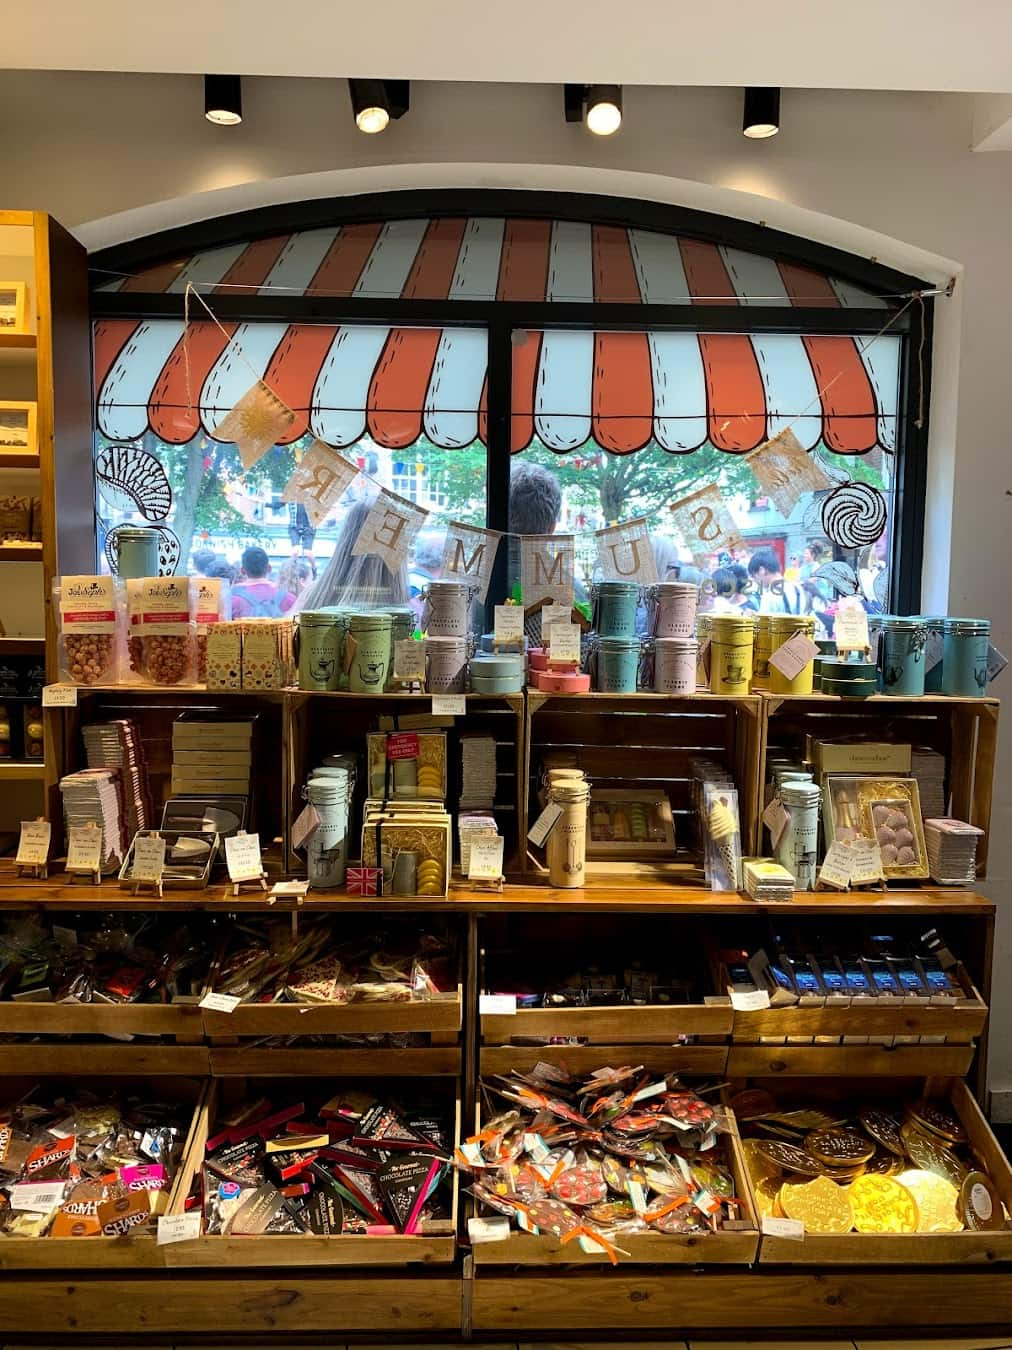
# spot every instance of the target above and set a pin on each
(255, 596)
(773, 595)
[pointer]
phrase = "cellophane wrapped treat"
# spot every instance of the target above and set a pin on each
(91, 629)
(210, 603)
(162, 641)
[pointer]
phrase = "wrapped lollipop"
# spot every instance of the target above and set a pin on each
(724, 839)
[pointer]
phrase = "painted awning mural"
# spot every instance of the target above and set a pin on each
(395, 384)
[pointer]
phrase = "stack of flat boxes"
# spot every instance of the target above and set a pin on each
(211, 757)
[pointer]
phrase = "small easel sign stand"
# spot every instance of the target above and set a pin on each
(84, 853)
(33, 849)
(484, 868)
(245, 865)
(851, 630)
(149, 863)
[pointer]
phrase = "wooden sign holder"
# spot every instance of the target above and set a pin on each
(156, 888)
(236, 886)
(37, 871)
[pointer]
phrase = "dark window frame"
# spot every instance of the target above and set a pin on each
(500, 318)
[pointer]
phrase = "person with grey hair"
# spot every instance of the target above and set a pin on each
(535, 500)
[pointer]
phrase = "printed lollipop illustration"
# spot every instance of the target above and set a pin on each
(854, 515)
(131, 479)
(723, 828)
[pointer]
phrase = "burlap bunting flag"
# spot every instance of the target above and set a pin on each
(255, 424)
(625, 554)
(469, 555)
(319, 481)
(786, 472)
(705, 524)
(389, 529)
(546, 568)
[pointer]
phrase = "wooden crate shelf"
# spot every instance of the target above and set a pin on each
(627, 1023)
(439, 1017)
(689, 1059)
(339, 1062)
(182, 1022)
(67, 1058)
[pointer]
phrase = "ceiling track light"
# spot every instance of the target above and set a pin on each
(223, 99)
(599, 105)
(762, 114)
(376, 103)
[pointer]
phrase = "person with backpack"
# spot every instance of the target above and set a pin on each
(254, 596)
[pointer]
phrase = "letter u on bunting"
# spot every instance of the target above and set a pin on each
(389, 529)
(469, 555)
(255, 423)
(785, 471)
(546, 568)
(319, 481)
(625, 554)
(705, 523)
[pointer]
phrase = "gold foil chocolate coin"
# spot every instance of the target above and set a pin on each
(791, 1158)
(758, 1164)
(767, 1189)
(885, 1164)
(884, 1128)
(839, 1148)
(931, 1155)
(980, 1204)
(821, 1205)
(882, 1205)
(937, 1201)
(935, 1120)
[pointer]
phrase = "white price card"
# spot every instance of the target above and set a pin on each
(850, 629)
(865, 862)
(509, 626)
(752, 1000)
(544, 824)
(242, 853)
(485, 862)
(283, 890)
(179, 1227)
(38, 1197)
(449, 705)
(84, 848)
(836, 867)
(149, 858)
(33, 846)
(488, 1230)
(59, 695)
(409, 659)
(223, 1003)
(550, 616)
(794, 655)
(782, 1228)
(564, 643)
(498, 1005)
(934, 646)
(306, 823)
(776, 818)
(996, 662)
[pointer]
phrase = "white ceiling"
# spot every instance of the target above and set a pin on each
(861, 44)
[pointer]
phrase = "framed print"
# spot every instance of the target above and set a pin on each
(13, 307)
(17, 427)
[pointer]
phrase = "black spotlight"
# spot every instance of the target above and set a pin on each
(762, 113)
(223, 99)
(376, 102)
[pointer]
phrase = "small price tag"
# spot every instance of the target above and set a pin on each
(996, 662)
(38, 1197)
(409, 659)
(752, 1000)
(545, 824)
(850, 630)
(488, 1230)
(149, 858)
(934, 647)
(33, 846)
(84, 848)
(836, 867)
(242, 853)
(305, 825)
(179, 1227)
(564, 643)
(223, 1003)
(794, 655)
(783, 1228)
(485, 862)
(865, 862)
(509, 626)
(550, 616)
(499, 1005)
(449, 705)
(283, 890)
(59, 695)
(776, 818)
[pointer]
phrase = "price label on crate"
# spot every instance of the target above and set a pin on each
(783, 1228)
(242, 853)
(750, 1000)
(508, 629)
(449, 705)
(178, 1227)
(149, 858)
(564, 644)
(59, 695)
(84, 848)
(409, 659)
(500, 1005)
(223, 1003)
(33, 846)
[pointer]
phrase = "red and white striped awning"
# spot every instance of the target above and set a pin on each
(395, 384)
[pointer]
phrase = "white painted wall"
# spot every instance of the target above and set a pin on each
(889, 174)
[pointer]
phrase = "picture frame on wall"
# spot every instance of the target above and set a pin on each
(18, 426)
(13, 307)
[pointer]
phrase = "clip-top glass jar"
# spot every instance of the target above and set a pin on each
(446, 609)
(615, 604)
(567, 844)
(367, 646)
(964, 657)
(616, 663)
(798, 846)
(327, 847)
(672, 608)
(901, 655)
(731, 639)
(783, 627)
(319, 649)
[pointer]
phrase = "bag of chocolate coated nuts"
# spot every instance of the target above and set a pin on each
(162, 638)
(90, 629)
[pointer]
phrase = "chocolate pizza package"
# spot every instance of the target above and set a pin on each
(598, 1157)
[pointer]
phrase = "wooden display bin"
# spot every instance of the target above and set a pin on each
(180, 1051)
(436, 1246)
(735, 1247)
(929, 1038)
(135, 1252)
(901, 1249)
(322, 724)
(629, 740)
(964, 730)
